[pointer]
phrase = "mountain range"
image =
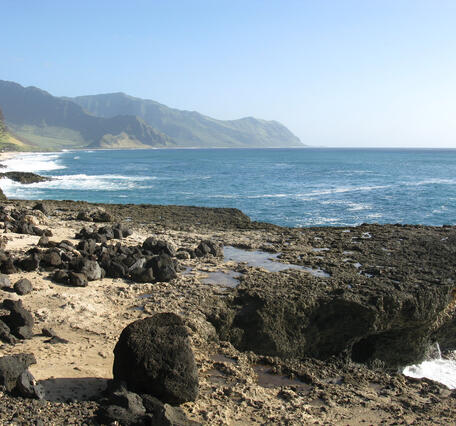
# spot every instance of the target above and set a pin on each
(116, 120)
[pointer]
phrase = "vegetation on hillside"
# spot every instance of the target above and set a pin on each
(54, 123)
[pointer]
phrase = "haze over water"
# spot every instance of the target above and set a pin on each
(290, 187)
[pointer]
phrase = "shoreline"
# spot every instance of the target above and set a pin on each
(235, 386)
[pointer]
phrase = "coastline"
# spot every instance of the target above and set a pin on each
(235, 386)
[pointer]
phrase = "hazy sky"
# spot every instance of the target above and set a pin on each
(337, 73)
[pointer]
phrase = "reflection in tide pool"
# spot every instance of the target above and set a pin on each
(261, 259)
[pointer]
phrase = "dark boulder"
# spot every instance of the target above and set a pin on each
(7, 266)
(20, 321)
(51, 258)
(77, 279)
(153, 356)
(115, 270)
(11, 368)
(209, 247)
(61, 276)
(159, 246)
(30, 263)
(164, 267)
(23, 286)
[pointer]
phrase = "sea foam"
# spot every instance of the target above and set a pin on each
(33, 163)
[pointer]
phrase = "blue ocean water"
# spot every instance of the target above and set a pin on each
(291, 187)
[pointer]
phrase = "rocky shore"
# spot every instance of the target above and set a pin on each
(322, 341)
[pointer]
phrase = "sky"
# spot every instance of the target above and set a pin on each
(340, 73)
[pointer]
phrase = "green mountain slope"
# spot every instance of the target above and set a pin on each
(191, 128)
(53, 123)
(10, 142)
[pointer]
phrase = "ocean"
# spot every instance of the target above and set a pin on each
(288, 187)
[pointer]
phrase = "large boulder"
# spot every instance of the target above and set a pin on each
(23, 286)
(153, 356)
(164, 267)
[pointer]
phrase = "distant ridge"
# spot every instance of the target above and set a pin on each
(190, 128)
(120, 121)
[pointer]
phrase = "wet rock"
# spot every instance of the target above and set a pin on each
(11, 368)
(23, 286)
(209, 247)
(5, 282)
(20, 321)
(77, 279)
(153, 356)
(163, 266)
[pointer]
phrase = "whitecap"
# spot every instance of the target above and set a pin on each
(34, 163)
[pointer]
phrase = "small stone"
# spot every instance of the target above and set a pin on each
(23, 287)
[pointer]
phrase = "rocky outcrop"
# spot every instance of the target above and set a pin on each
(384, 312)
(24, 177)
(153, 356)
